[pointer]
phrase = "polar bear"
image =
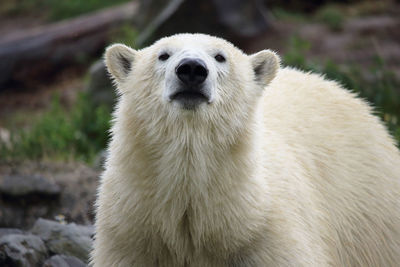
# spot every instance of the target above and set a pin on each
(219, 158)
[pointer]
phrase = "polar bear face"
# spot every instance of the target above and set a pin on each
(191, 76)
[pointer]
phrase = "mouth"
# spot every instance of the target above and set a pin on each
(189, 95)
(190, 98)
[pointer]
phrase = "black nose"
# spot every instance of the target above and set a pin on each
(192, 71)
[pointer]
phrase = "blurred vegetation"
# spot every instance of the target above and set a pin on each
(125, 34)
(53, 10)
(78, 133)
(379, 86)
(288, 15)
(81, 131)
(331, 16)
(351, 7)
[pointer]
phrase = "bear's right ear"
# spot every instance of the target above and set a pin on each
(119, 59)
(265, 66)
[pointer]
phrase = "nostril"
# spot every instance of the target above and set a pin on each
(200, 71)
(184, 69)
(200, 74)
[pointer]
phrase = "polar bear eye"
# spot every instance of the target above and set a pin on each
(220, 58)
(163, 56)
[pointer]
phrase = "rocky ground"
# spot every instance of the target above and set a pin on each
(47, 243)
(56, 193)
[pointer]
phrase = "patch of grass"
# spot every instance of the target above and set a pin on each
(126, 34)
(62, 9)
(288, 15)
(76, 133)
(331, 16)
(18, 7)
(367, 8)
(379, 86)
(295, 55)
(54, 9)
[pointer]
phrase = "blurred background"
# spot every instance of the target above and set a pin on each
(56, 98)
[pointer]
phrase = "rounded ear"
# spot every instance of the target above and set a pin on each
(265, 66)
(119, 59)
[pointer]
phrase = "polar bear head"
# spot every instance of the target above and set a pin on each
(192, 77)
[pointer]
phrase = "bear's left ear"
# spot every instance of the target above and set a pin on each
(119, 59)
(265, 66)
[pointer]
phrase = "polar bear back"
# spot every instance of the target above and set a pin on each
(348, 179)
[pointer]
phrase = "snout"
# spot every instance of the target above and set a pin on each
(192, 89)
(192, 71)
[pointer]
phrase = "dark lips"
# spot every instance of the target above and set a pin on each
(188, 94)
(190, 98)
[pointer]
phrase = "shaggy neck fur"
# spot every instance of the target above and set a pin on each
(195, 186)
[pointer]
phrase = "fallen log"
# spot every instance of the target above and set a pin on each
(36, 52)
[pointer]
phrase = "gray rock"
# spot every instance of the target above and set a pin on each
(71, 239)
(63, 261)
(9, 231)
(23, 185)
(78, 183)
(22, 250)
(100, 88)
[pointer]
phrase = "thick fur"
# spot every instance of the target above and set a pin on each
(290, 172)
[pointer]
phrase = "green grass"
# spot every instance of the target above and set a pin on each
(288, 15)
(54, 10)
(331, 16)
(77, 133)
(380, 88)
(125, 34)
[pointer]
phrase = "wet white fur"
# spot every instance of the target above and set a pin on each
(299, 173)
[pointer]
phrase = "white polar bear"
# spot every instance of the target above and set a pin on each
(218, 158)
